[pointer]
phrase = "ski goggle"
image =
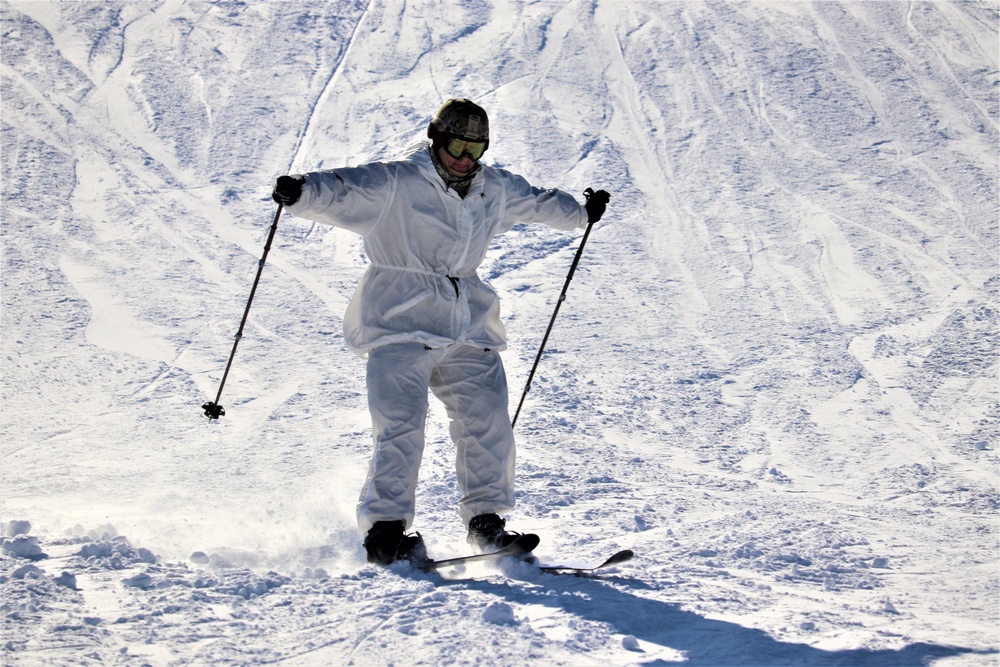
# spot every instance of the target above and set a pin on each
(459, 147)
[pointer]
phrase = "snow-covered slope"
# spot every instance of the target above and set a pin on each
(775, 376)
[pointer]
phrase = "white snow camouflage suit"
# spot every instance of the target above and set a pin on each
(424, 319)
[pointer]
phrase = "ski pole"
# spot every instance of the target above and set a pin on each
(562, 297)
(212, 409)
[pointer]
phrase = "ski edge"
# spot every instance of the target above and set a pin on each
(522, 545)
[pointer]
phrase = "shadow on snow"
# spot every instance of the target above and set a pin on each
(704, 641)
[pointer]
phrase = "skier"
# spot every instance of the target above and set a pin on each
(424, 319)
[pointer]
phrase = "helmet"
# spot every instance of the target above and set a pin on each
(459, 119)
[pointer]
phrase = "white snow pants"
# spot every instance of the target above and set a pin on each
(472, 385)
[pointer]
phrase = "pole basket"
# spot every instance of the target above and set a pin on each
(213, 410)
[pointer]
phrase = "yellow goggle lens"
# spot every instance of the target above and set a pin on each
(459, 147)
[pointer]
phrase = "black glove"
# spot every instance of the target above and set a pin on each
(596, 203)
(288, 189)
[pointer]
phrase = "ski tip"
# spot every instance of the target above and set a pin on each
(585, 570)
(620, 557)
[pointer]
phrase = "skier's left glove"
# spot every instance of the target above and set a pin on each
(288, 189)
(596, 203)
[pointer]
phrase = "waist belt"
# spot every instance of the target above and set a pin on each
(426, 272)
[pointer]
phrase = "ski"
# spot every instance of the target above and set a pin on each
(585, 568)
(522, 545)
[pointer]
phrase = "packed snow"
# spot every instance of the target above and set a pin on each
(774, 376)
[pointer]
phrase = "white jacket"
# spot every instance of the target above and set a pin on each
(425, 244)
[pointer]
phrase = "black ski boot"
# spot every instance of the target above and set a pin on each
(486, 533)
(387, 543)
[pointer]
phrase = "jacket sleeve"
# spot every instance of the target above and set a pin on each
(526, 203)
(354, 198)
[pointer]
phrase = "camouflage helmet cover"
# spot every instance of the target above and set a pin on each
(461, 118)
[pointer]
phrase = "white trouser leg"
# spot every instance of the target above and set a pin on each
(473, 386)
(397, 378)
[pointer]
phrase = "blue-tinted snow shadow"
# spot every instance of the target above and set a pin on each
(704, 641)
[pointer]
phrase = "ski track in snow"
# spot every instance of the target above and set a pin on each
(774, 378)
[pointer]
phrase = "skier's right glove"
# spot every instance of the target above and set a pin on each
(288, 189)
(596, 203)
